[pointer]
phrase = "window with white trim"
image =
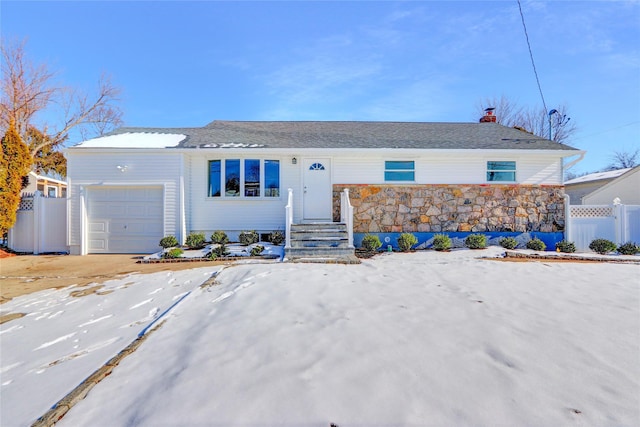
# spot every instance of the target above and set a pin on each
(500, 170)
(399, 170)
(244, 178)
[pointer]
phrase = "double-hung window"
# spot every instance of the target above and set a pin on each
(501, 171)
(244, 178)
(399, 170)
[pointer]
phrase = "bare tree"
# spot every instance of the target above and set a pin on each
(506, 112)
(25, 88)
(533, 120)
(29, 89)
(624, 159)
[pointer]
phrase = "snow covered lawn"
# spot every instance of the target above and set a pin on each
(424, 338)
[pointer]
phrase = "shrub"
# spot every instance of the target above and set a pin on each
(371, 242)
(277, 237)
(173, 253)
(195, 240)
(406, 241)
(508, 243)
(249, 237)
(168, 242)
(602, 246)
(564, 246)
(219, 251)
(629, 248)
(219, 237)
(476, 241)
(536, 244)
(441, 242)
(257, 250)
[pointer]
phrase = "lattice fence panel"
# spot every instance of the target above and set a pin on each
(26, 204)
(591, 211)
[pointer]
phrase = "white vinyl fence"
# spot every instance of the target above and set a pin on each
(617, 222)
(41, 225)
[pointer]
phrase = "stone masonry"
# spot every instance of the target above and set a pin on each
(442, 208)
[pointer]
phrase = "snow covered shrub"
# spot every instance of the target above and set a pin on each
(276, 237)
(168, 242)
(508, 243)
(371, 242)
(249, 237)
(257, 250)
(629, 248)
(441, 242)
(220, 237)
(195, 240)
(564, 246)
(406, 241)
(602, 246)
(173, 253)
(536, 244)
(219, 251)
(476, 241)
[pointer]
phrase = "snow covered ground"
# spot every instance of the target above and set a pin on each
(233, 250)
(424, 338)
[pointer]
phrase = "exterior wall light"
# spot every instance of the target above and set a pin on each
(294, 161)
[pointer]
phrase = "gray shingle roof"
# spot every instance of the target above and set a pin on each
(294, 134)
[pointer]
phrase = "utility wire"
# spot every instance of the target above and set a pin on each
(544, 104)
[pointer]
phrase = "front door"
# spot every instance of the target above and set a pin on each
(317, 192)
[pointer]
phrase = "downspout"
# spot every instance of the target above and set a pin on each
(68, 215)
(570, 165)
(567, 199)
(83, 222)
(183, 219)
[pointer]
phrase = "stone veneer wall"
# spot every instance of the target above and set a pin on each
(465, 208)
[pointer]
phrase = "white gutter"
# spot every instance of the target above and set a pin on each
(569, 165)
(314, 151)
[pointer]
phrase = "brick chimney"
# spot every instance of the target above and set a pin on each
(488, 117)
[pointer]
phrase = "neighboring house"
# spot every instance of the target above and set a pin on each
(603, 187)
(132, 187)
(46, 185)
(626, 188)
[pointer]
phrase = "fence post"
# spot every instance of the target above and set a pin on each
(37, 209)
(567, 218)
(618, 215)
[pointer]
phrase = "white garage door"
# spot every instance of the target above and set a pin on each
(125, 219)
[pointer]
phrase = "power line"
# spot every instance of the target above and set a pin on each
(607, 130)
(544, 104)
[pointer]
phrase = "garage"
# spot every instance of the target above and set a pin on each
(124, 219)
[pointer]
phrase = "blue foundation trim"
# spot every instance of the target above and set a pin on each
(549, 239)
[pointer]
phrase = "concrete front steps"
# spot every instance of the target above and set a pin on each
(324, 242)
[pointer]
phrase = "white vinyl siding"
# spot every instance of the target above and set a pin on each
(90, 168)
(437, 168)
(96, 168)
(624, 187)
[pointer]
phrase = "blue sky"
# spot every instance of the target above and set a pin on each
(188, 63)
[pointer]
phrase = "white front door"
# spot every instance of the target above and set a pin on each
(317, 196)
